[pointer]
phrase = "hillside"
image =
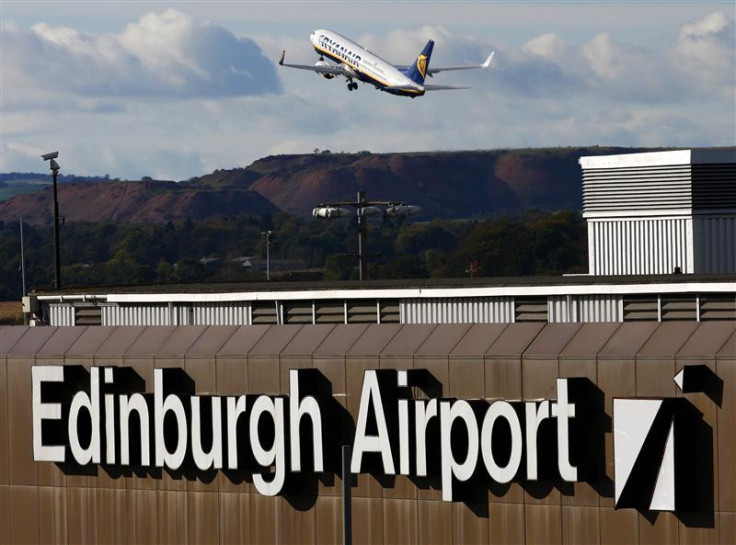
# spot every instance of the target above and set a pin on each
(137, 202)
(445, 184)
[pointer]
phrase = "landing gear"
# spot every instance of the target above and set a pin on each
(352, 86)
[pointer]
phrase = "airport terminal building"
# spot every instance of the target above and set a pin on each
(584, 409)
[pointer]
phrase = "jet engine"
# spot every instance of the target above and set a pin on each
(323, 64)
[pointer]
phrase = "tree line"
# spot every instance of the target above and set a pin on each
(233, 249)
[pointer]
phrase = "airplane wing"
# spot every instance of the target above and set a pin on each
(486, 64)
(428, 87)
(336, 70)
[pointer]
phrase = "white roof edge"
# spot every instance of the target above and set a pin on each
(419, 293)
(659, 158)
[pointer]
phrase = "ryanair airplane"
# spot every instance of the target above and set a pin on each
(356, 63)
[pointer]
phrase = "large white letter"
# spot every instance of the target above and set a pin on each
(424, 411)
(45, 411)
(160, 408)
(297, 409)
(90, 402)
(275, 455)
(213, 458)
(371, 394)
(534, 417)
(449, 412)
(235, 407)
(564, 410)
(501, 409)
(137, 403)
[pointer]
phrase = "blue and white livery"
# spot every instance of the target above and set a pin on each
(356, 63)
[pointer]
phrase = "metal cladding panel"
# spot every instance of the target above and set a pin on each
(600, 308)
(443, 340)
(94, 507)
(9, 335)
(707, 335)
(589, 340)
(237, 313)
(182, 339)
(641, 246)
(242, 340)
(60, 342)
(306, 341)
(667, 339)
(339, 341)
(32, 341)
(61, 314)
(551, 340)
(408, 340)
(458, 310)
(715, 244)
(136, 315)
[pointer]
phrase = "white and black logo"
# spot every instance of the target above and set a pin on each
(663, 458)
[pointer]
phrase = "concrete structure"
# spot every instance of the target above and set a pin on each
(653, 213)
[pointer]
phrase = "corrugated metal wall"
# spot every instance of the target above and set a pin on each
(61, 314)
(460, 310)
(151, 314)
(641, 246)
(585, 308)
(237, 313)
(715, 244)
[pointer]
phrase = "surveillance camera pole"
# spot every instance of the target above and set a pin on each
(57, 259)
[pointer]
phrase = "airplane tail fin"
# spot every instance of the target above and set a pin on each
(418, 71)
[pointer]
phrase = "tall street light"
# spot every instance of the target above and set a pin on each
(54, 166)
(361, 209)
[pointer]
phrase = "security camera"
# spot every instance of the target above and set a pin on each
(51, 155)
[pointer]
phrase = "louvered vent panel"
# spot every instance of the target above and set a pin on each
(329, 312)
(641, 308)
(718, 306)
(264, 312)
(390, 312)
(362, 311)
(530, 309)
(91, 315)
(679, 307)
(714, 186)
(645, 188)
(298, 312)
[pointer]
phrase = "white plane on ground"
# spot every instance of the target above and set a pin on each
(354, 62)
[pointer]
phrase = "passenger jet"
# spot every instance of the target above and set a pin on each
(354, 62)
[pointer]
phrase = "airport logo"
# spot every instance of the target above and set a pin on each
(662, 448)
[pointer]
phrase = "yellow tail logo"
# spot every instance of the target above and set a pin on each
(422, 65)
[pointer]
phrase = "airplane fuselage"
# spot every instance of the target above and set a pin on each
(366, 66)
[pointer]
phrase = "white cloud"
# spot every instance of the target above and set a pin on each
(549, 88)
(706, 53)
(167, 55)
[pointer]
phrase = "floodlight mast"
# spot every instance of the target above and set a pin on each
(54, 166)
(363, 209)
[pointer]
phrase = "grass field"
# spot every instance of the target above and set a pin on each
(11, 313)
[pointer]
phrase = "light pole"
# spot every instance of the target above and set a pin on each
(268, 235)
(54, 166)
(363, 209)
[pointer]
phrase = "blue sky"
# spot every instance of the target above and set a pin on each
(177, 89)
